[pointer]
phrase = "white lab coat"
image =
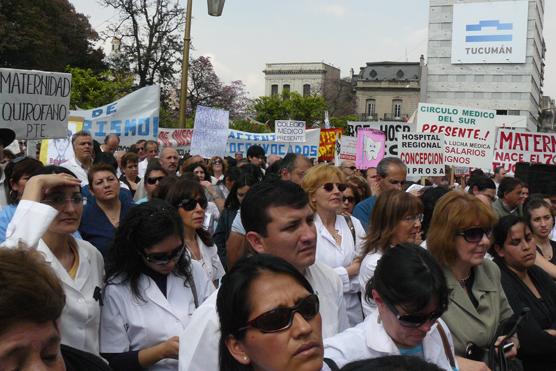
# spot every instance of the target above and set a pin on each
(80, 318)
(75, 167)
(370, 340)
(128, 324)
(340, 257)
(366, 272)
(200, 352)
(210, 261)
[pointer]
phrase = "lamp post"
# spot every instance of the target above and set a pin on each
(215, 8)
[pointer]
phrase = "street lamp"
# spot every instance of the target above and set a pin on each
(215, 8)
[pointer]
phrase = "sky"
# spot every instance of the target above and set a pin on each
(343, 33)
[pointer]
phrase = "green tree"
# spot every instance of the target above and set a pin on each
(90, 90)
(46, 35)
(292, 106)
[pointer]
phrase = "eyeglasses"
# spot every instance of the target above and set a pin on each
(154, 180)
(57, 201)
(217, 162)
(162, 258)
(474, 235)
(415, 320)
(329, 187)
(413, 218)
(349, 199)
(190, 204)
(279, 319)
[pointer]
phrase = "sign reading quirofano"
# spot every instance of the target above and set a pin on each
(35, 104)
(391, 130)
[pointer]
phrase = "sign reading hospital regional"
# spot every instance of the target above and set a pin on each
(290, 131)
(490, 32)
(370, 148)
(469, 133)
(210, 132)
(34, 104)
(514, 146)
(422, 153)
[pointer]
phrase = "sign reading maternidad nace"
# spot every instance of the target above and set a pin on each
(490, 32)
(514, 146)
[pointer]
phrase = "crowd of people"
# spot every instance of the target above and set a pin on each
(145, 259)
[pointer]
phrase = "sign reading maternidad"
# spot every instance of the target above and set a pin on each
(490, 32)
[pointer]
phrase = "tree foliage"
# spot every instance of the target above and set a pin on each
(292, 106)
(90, 90)
(46, 35)
(340, 97)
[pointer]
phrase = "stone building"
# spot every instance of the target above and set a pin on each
(303, 78)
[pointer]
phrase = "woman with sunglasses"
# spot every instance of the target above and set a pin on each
(188, 198)
(350, 197)
(396, 218)
(152, 289)
(280, 328)
(409, 289)
(339, 238)
(46, 217)
(527, 285)
(217, 169)
(459, 237)
(153, 176)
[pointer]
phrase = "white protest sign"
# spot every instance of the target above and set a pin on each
(290, 131)
(345, 149)
(132, 117)
(469, 133)
(423, 154)
(390, 128)
(210, 132)
(57, 151)
(180, 139)
(240, 141)
(34, 104)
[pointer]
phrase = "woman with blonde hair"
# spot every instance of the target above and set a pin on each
(396, 219)
(339, 238)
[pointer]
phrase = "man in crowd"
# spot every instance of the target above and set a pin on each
(372, 179)
(111, 143)
(169, 160)
(82, 143)
(256, 155)
(151, 151)
(293, 167)
(391, 174)
(509, 198)
(483, 188)
(499, 174)
(348, 167)
(278, 221)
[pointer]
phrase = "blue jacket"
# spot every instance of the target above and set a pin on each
(363, 211)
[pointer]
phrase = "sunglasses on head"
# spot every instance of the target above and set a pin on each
(162, 258)
(279, 319)
(415, 320)
(474, 235)
(191, 203)
(329, 187)
(154, 180)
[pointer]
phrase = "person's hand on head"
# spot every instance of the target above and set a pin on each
(39, 185)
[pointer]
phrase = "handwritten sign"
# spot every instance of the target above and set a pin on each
(370, 148)
(210, 132)
(346, 149)
(240, 141)
(180, 139)
(327, 145)
(515, 146)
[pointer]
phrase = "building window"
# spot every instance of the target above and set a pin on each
(371, 107)
(286, 88)
(399, 74)
(306, 90)
(273, 90)
(397, 108)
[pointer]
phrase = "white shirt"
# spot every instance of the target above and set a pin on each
(553, 233)
(367, 271)
(370, 340)
(142, 167)
(340, 257)
(237, 225)
(128, 324)
(200, 351)
(210, 261)
(81, 315)
(76, 167)
(3, 198)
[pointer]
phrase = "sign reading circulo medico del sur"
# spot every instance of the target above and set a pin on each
(289, 131)
(490, 32)
(423, 154)
(469, 133)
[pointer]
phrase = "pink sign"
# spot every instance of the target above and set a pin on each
(370, 148)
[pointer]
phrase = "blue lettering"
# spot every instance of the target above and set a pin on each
(155, 126)
(130, 127)
(248, 135)
(314, 151)
(97, 112)
(143, 127)
(101, 131)
(87, 124)
(111, 108)
(282, 149)
(116, 127)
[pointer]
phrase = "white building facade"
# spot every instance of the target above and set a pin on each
(303, 78)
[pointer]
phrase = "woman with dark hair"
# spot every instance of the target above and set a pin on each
(46, 217)
(130, 171)
(154, 174)
(350, 197)
(217, 169)
(231, 206)
(17, 174)
(396, 218)
(189, 199)
(527, 285)
(409, 289)
(152, 289)
(269, 318)
(539, 217)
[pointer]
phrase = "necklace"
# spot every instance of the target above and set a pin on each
(463, 282)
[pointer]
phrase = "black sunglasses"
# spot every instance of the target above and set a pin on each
(154, 180)
(349, 199)
(162, 258)
(474, 235)
(191, 203)
(329, 187)
(279, 319)
(415, 320)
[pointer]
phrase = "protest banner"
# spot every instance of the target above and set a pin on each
(240, 141)
(345, 149)
(57, 151)
(34, 104)
(515, 146)
(390, 128)
(423, 154)
(180, 139)
(370, 148)
(289, 131)
(469, 133)
(210, 132)
(132, 117)
(327, 144)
